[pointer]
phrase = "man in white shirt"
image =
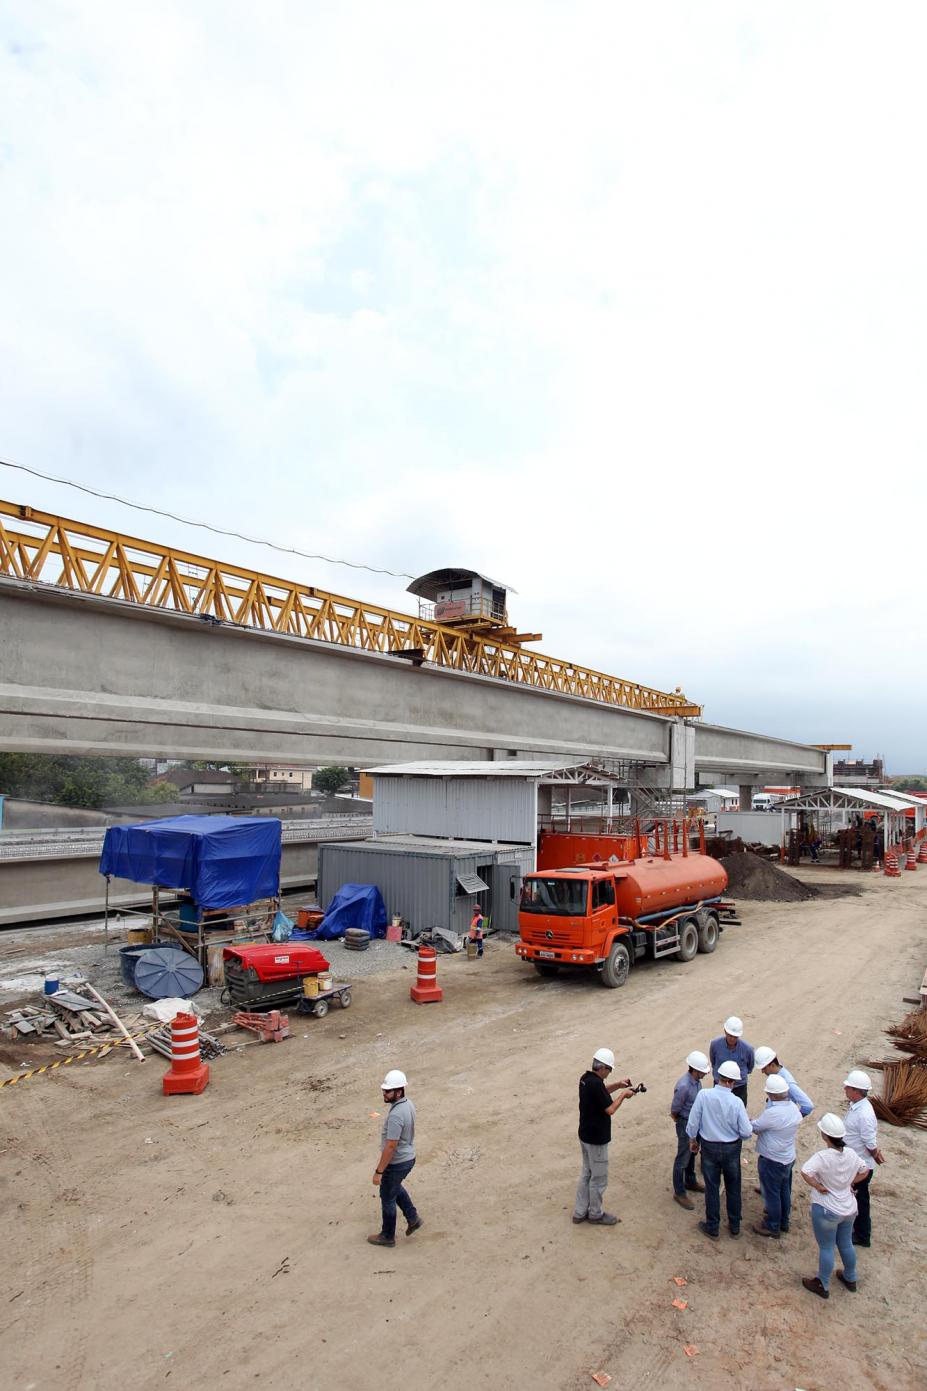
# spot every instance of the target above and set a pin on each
(775, 1128)
(863, 1137)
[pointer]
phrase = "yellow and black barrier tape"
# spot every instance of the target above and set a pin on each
(76, 1057)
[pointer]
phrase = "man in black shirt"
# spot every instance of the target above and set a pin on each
(596, 1108)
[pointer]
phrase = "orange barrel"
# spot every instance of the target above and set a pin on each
(426, 990)
(187, 1074)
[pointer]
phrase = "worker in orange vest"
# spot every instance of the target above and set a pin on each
(476, 929)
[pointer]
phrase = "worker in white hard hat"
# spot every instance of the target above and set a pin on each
(775, 1129)
(832, 1173)
(732, 1047)
(686, 1090)
(718, 1124)
(768, 1063)
(863, 1137)
(397, 1159)
(598, 1102)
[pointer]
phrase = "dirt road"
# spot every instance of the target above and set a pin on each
(218, 1242)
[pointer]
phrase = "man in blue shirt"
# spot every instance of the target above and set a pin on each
(769, 1064)
(732, 1047)
(718, 1124)
(776, 1127)
(687, 1089)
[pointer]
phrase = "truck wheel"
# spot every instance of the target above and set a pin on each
(688, 941)
(708, 934)
(615, 970)
(546, 968)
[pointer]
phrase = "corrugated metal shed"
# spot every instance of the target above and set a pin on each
(418, 877)
(501, 809)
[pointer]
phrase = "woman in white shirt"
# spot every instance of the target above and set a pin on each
(831, 1173)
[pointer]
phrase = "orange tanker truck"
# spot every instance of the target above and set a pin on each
(610, 914)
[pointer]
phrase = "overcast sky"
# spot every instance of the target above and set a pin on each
(623, 304)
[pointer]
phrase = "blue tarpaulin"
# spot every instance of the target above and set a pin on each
(222, 861)
(354, 905)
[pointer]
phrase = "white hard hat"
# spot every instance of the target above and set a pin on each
(860, 1080)
(734, 1026)
(699, 1062)
(776, 1085)
(832, 1125)
(393, 1080)
(729, 1070)
(604, 1055)
(764, 1056)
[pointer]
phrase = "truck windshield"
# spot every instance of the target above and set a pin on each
(565, 898)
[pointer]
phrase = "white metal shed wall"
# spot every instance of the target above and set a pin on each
(457, 808)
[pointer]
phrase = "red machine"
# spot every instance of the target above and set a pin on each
(269, 973)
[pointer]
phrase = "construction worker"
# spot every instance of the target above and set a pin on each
(718, 1124)
(687, 1089)
(768, 1063)
(598, 1102)
(863, 1137)
(476, 928)
(732, 1047)
(397, 1159)
(775, 1128)
(832, 1173)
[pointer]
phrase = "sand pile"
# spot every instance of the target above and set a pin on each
(750, 876)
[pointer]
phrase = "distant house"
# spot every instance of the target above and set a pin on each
(197, 782)
(280, 777)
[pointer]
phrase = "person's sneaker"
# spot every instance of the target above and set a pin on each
(577, 1219)
(815, 1286)
(783, 1230)
(414, 1226)
(858, 1241)
(608, 1219)
(762, 1230)
(734, 1231)
(695, 1187)
(683, 1201)
(378, 1239)
(848, 1284)
(704, 1227)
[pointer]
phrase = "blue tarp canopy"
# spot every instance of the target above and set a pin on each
(354, 905)
(222, 861)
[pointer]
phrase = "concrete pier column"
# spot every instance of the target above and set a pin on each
(746, 796)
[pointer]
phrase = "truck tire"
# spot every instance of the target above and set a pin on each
(708, 934)
(688, 940)
(615, 971)
(547, 968)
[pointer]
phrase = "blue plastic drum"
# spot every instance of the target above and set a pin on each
(162, 972)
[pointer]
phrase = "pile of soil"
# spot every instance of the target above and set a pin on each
(749, 876)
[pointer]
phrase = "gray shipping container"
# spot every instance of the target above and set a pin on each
(431, 883)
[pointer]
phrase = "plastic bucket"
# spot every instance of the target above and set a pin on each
(139, 936)
(310, 986)
(52, 983)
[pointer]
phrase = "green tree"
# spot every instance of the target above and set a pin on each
(330, 780)
(74, 782)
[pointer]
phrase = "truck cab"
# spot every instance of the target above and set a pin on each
(568, 917)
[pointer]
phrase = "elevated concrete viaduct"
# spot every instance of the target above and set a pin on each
(85, 674)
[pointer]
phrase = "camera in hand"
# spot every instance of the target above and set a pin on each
(639, 1088)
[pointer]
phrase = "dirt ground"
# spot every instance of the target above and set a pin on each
(218, 1241)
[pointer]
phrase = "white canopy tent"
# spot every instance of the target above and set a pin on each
(834, 807)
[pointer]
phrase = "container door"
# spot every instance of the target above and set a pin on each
(506, 895)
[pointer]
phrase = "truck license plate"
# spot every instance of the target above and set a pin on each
(547, 955)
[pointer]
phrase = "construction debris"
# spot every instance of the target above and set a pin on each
(68, 1016)
(904, 1094)
(751, 877)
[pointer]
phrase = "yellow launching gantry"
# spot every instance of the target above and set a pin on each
(39, 547)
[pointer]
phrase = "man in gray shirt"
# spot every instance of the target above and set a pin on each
(397, 1158)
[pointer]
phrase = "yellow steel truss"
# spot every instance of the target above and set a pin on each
(40, 547)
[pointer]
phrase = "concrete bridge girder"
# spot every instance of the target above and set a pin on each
(85, 674)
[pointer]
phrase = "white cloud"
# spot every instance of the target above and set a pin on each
(622, 303)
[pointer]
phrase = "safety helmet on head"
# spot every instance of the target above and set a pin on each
(730, 1071)
(605, 1056)
(698, 1061)
(764, 1056)
(861, 1081)
(734, 1026)
(832, 1125)
(776, 1085)
(393, 1080)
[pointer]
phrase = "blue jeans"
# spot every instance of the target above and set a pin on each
(776, 1183)
(393, 1195)
(721, 1159)
(684, 1163)
(830, 1231)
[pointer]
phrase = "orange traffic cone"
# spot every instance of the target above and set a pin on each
(187, 1074)
(891, 870)
(922, 853)
(911, 860)
(426, 990)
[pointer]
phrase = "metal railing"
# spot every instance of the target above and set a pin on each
(48, 549)
(86, 842)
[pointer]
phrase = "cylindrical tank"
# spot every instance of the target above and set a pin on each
(654, 885)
